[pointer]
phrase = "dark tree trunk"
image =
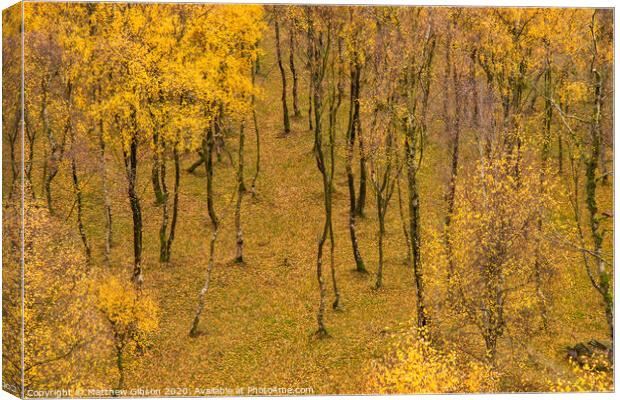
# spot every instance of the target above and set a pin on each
(361, 200)
(166, 236)
(107, 206)
(453, 124)
(310, 107)
(196, 163)
(131, 168)
(240, 192)
(175, 201)
(256, 131)
(592, 162)
(155, 168)
(287, 124)
(318, 51)
(208, 152)
(56, 150)
(403, 221)
(120, 367)
(31, 135)
(296, 111)
(354, 107)
(79, 208)
(414, 228)
(335, 100)
(163, 230)
(381, 218)
(544, 156)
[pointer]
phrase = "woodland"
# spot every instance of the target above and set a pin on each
(344, 199)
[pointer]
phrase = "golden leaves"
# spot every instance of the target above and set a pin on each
(416, 365)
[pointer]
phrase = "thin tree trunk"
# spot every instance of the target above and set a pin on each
(361, 200)
(334, 106)
(240, 192)
(56, 150)
(255, 120)
(287, 124)
(296, 110)
(403, 220)
(310, 106)
(544, 156)
(208, 152)
(107, 207)
(163, 230)
(79, 209)
(474, 91)
(196, 163)
(155, 168)
(351, 130)
(31, 135)
(453, 124)
(381, 219)
(121, 368)
(414, 229)
(560, 153)
(131, 167)
(592, 163)
(175, 202)
(13, 139)
(317, 69)
(194, 332)
(310, 85)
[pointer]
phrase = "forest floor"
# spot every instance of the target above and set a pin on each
(260, 317)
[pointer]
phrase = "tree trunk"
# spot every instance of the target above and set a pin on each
(287, 124)
(163, 230)
(310, 107)
(197, 163)
(107, 206)
(56, 150)
(79, 209)
(13, 139)
(208, 152)
(453, 125)
(31, 135)
(131, 167)
(317, 54)
(240, 193)
(194, 332)
(296, 111)
(361, 200)
(255, 120)
(403, 221)
(175, 202)
(592, 163)
(155, 179)
(352, 126)
(414, 228)
(544, 156)
(381, 219)
(121, 368)
(334, 105)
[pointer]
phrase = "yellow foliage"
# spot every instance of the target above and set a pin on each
(131, 314)
(587, 379)
(416, 365)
